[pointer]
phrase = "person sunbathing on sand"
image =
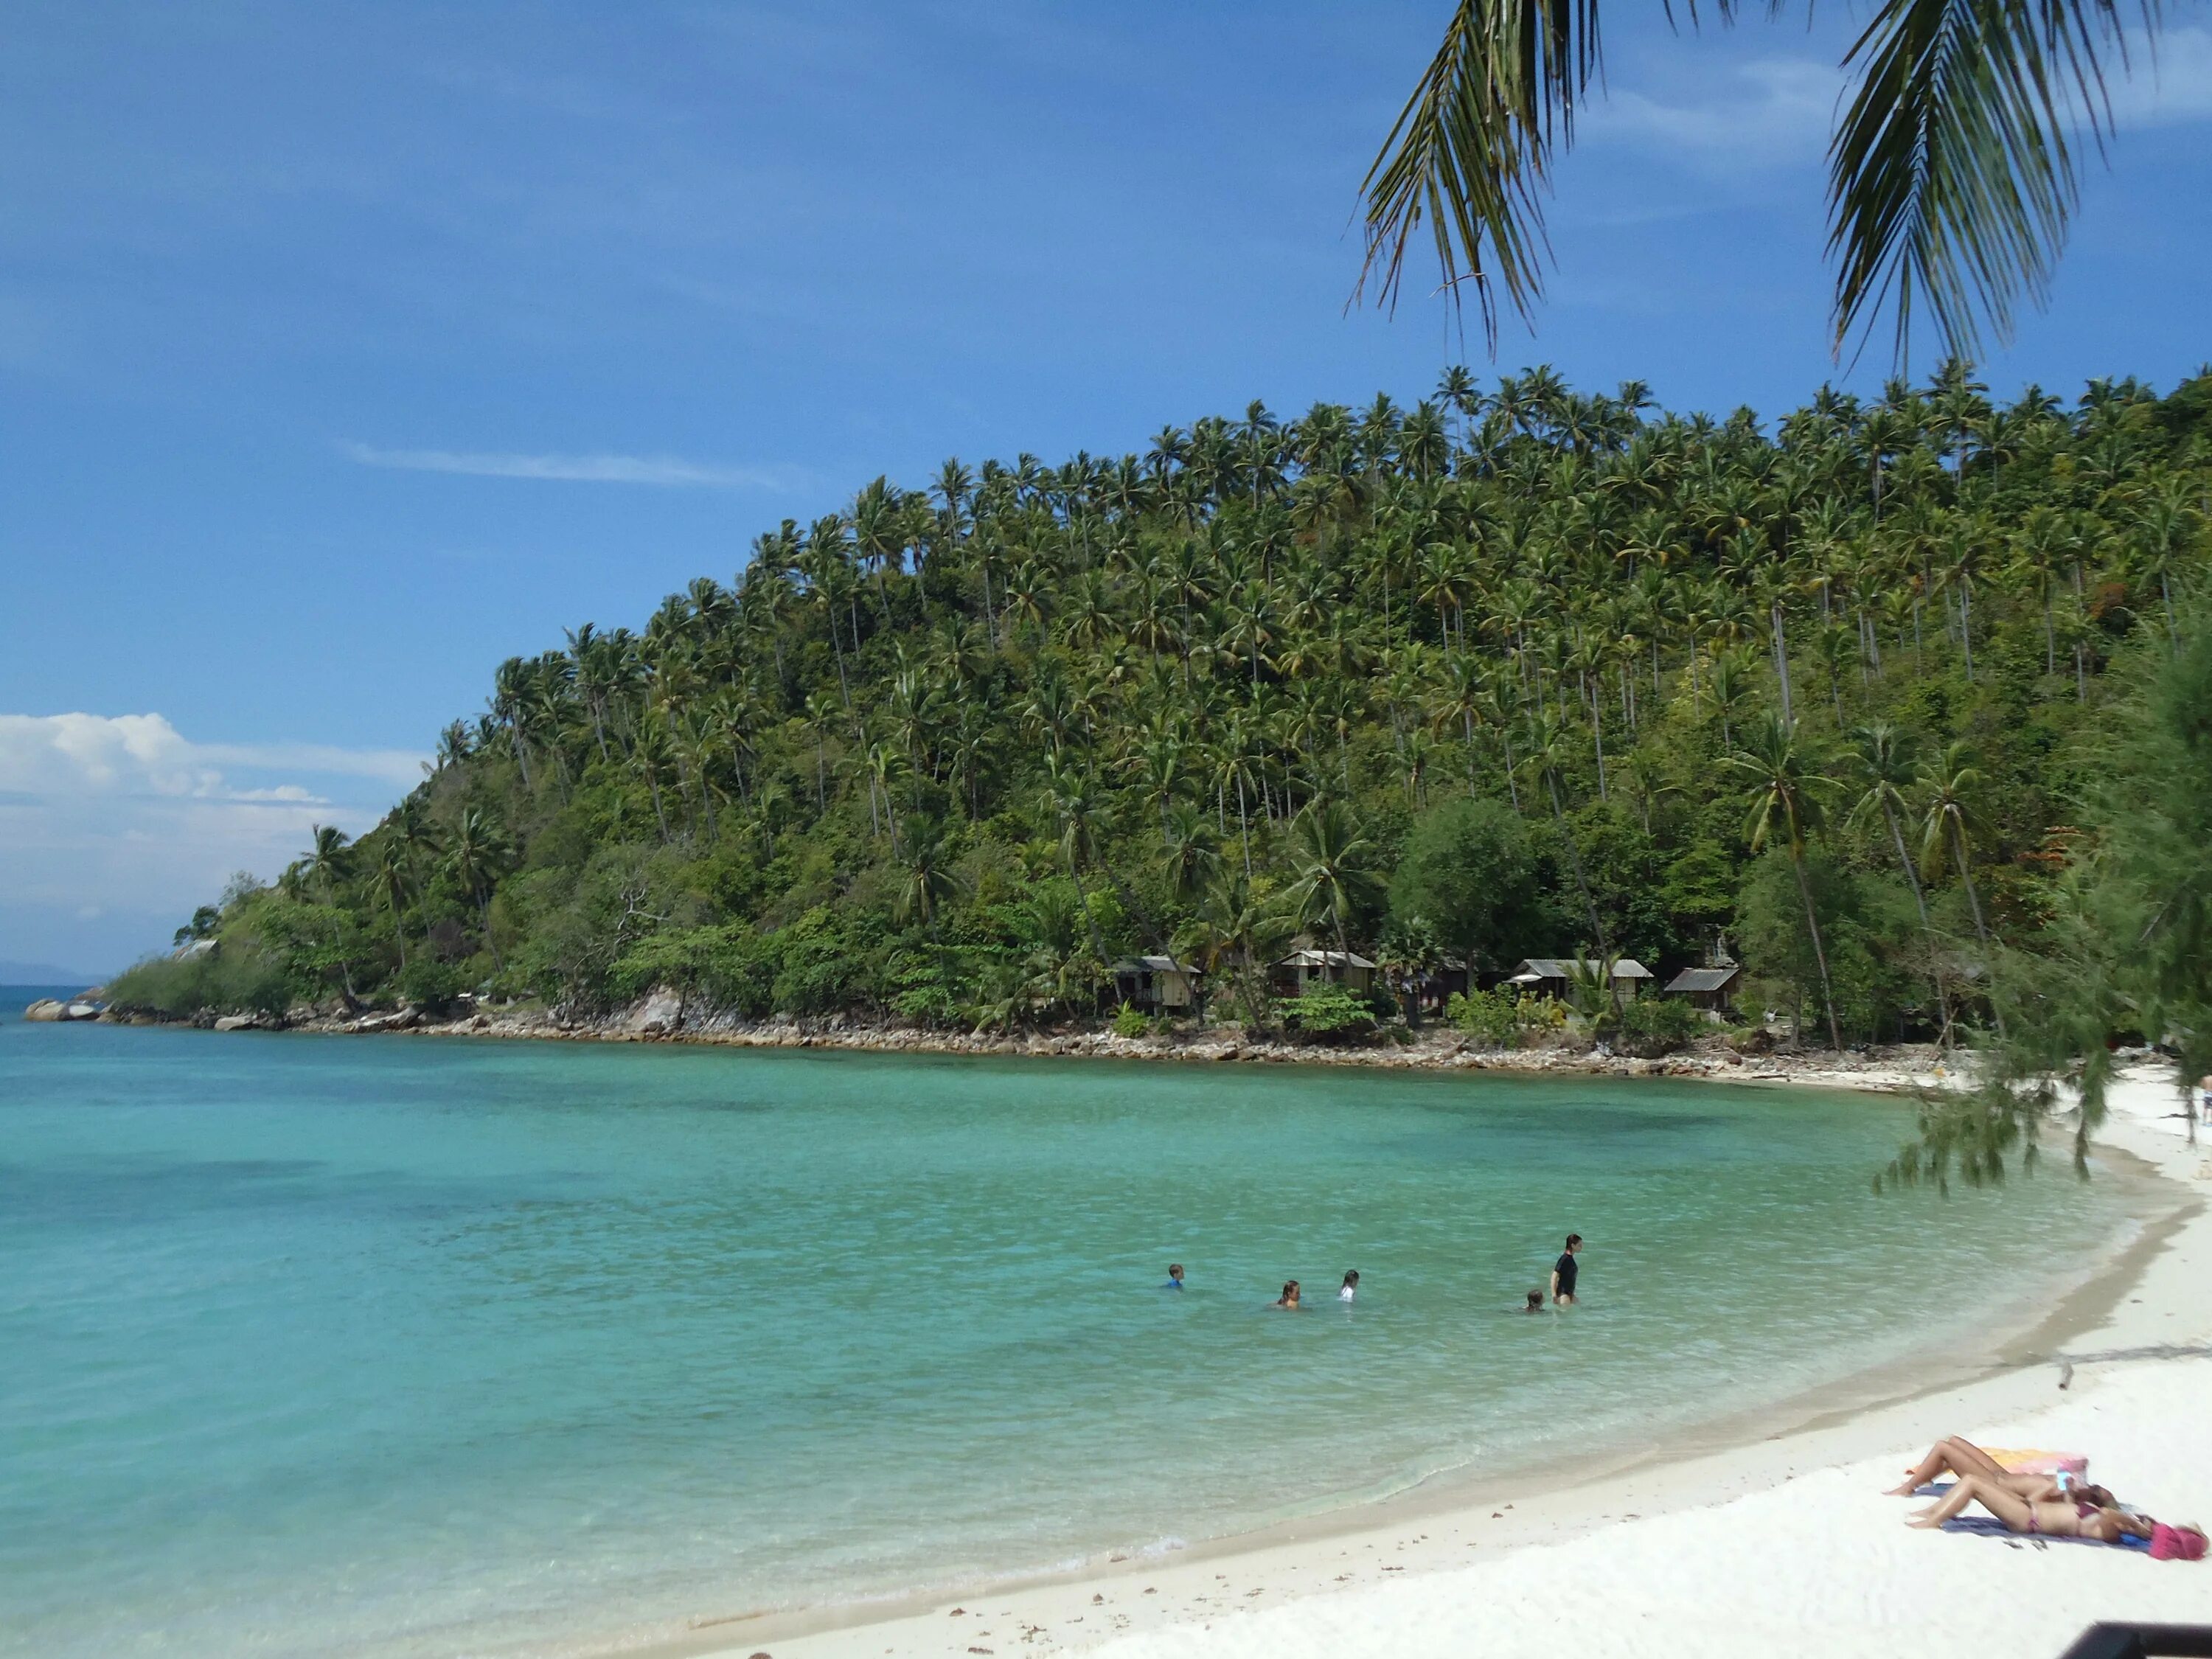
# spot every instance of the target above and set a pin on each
(1953, 1456)
(2100, 1523)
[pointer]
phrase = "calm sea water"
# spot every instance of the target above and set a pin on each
(390, 1347)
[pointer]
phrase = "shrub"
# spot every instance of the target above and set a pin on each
(1650, 1026)
(1504, 1019)
(1330, 1014)
(229, 982)
(431, 985)
(732, 966)
(1129, 1021)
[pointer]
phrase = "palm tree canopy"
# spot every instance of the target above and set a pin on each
(1951, 171)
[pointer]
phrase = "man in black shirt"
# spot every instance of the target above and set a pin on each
(1564, 1272)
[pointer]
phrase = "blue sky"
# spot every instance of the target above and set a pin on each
(346, 351)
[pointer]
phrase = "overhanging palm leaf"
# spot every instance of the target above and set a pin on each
(1950, 180)
(1950, 175)
(1470, 150)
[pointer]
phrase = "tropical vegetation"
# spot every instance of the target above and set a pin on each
(1511, 672)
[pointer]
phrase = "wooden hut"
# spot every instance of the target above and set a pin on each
(1713, 989)
(1309, 971)
(1552, 976)
(1156, 984)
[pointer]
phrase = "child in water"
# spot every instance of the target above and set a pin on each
(1351, 1286)
(1289, 1299)
(1536, 1303)
(1175, 1276)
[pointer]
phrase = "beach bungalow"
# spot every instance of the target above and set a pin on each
(1713, 989)
(1550, 976)
(1438, 983)
(1309, 971)
(1156, 984)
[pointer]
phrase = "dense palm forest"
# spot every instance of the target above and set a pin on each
(1514, 672)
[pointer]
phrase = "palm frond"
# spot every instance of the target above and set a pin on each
(1470, 151)
(1951, 177)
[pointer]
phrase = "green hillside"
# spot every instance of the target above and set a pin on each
(1509, 673)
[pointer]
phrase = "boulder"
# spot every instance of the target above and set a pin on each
(45, 1008)
(239, 1023)
(661, 1014)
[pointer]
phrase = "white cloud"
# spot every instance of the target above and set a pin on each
(1773, 112)
(658, 470)
(2169, 85)
(76, 755)
(124, 819)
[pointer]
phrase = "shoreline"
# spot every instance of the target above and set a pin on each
(1353, 1578)
(664, 1017)
(1414, 1554)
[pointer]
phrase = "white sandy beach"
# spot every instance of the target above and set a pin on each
(1757, 1542)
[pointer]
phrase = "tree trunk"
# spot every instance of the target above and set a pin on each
(483, 909)
(1243, 826)
(1920, 902)
(1981, 927)
(1781, 664)
(1820, 950)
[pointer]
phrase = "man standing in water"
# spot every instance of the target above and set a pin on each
(1564, 1272)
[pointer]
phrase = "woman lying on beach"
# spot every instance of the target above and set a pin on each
(2101, 1523)
(1952, 1455)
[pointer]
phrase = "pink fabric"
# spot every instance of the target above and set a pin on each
(2175, 1544)
(2042, 1462)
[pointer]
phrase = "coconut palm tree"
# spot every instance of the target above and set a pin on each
(930, 880)
(1882, 756)
(326, 864)
(1336, 879)
(393, 874)
(1948, 783)
(1784, 783)
(478, 852)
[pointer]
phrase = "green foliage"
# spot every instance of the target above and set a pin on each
(434, 986)
(1329, 1013)
(1504, 1019)
(1651, 1025)
(1130, 1021)
(1497, 676)
(821, 966)
(1877, 961)
(2125, 948)
(225, 982)
(1468, 869)
(731, 965)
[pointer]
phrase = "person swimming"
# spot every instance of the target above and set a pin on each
(1175, 1276)
(1536, 1303)
(1350, 1288)
(1289, 1299)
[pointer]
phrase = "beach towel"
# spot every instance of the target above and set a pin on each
(2031, 1461)
(1988, 1526)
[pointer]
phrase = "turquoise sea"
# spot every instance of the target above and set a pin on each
(384, 1346)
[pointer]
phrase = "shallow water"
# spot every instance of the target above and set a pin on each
(312, 1346)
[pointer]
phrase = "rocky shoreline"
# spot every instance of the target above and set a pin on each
(667, 1017)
